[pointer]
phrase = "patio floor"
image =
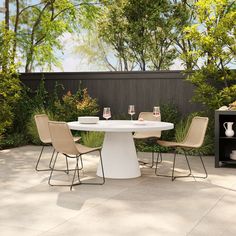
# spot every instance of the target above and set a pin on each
(145, 206)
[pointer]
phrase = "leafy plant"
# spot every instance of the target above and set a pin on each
(169, 113)
(213, 36)
(92, 139)
(22, 111)
(9, 82)
(13, 140)
(41, 96)
(74, 105)
(149, 146)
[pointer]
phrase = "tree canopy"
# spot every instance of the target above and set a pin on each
(38, 26)
(213, 36)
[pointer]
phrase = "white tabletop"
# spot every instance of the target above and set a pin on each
(122, 126)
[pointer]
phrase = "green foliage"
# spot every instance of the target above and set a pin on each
(169, 113)
(22, 111)
(9, 82)
(74, 105)
(19, 119)
(141, 34)
(13, 140)
(41, 96)
(182, 129)
(213, 37)
(213, 89)
(92, 139)
(149, 146)
(39, 25)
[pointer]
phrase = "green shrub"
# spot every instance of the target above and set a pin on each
(13, 140)
(22, 111)
(149, 146)
(9, 82)
(169, 113)
(41, 96)
(74, 105)
(9, 95)
(92, 139)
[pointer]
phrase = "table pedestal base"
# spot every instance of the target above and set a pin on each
(119, 156)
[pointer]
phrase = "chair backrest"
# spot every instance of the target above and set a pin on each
(62, 139)
(196, 132)
(149, 116)
(42, 127)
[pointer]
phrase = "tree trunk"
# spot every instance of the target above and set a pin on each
(15, 30)
(7, 14)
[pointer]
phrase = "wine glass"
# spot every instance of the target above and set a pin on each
(156, 112)
(106, 113)
(131, 111)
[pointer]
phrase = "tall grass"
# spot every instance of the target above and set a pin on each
(92, 139)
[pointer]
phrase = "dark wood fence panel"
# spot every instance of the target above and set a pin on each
(119, 89)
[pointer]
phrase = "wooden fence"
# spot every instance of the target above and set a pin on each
(119, 89)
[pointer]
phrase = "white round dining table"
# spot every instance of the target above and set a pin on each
(118, 151)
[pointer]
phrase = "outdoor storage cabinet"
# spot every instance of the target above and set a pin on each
(224, 145)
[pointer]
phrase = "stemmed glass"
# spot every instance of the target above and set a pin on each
(156, 112)
(131, 111)
(106, 113)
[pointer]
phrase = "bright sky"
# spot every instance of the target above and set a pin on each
(72, 61)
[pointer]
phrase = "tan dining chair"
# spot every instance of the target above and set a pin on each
(193, 140)
(41, 121)
(148, 135)
(62, 141)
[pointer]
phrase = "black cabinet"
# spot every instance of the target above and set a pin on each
(223, 144)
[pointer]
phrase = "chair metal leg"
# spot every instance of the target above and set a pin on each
(81, 162)
(160, 156)
(173, 177)
(103, 176)
(49, 179)
(203, 166)
(153, 161)
(173, 168)
(67, 165)
(186, 157)
(76, 170)
(53, 169)
(206, 174)
(50, 163)
(157, 162)
(39, 158)
(36, 167)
